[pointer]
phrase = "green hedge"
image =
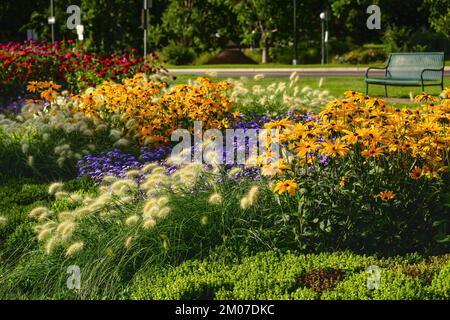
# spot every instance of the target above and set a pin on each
(272, 275)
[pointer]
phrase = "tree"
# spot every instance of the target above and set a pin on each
(439, 15)
(264, 19)
(201, 24)
(395, 14)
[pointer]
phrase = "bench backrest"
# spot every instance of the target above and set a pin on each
(405, 65)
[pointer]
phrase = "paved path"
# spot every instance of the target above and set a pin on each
(281, 72)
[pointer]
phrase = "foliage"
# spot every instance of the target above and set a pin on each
(198, 25)
(70, 65)
(47, 140)
(18, 197)
(364, 56)
(276, 97)
(366, 170)
(214, 24)
(272, 275)
(439, 15)
(175, 53)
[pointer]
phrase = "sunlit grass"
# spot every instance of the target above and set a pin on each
(335, 85)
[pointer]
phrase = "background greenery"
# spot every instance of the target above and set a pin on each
(187, 29)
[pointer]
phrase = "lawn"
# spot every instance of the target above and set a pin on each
(336, 86)
(269, 66)
(277, 65)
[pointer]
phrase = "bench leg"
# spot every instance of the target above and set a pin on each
(367, 89)
(385, 91)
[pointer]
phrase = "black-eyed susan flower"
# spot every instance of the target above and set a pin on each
(386, 195)
(289, 186)
(32, 86)
(416, 173)
(334, 149)
(372, 152)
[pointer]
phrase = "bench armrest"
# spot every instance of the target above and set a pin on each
(374, 68)
(433, 70)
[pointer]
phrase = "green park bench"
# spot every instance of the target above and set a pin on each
(420, 69)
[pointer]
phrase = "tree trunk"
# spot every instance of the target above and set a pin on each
(265, 55)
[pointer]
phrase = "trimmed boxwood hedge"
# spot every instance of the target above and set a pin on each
(275, 275)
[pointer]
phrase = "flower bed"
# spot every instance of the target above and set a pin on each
(361, 175)
(73, 67)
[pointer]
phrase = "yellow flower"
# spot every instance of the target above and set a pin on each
(386, 195)
(334, 149)
(343, 181)
(288, 185)
(416, 173)
(425, 98)
(305, 147)
(271, 169)
(350, 137)
(372, 152)
(32, 86)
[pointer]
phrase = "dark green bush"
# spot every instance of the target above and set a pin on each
(366, 55)
(307, 53)
(177, 54)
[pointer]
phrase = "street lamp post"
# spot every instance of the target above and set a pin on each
(52, 20)
(145, 12)
(295, 60)
(324, 17)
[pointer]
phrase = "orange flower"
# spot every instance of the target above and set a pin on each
(416, 174)
(372, 152)
(305, 147)
(386, 195)
(343, 181)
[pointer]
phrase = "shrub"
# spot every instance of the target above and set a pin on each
(365, 56)
(177, 54)
(275, 275)
(47, 141)
(440, 286)
(74, 68)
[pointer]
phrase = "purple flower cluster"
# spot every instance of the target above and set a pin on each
(149, 154)
(113, 163)
(257, 121)
(117, 163)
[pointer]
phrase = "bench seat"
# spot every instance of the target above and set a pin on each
(394, 81)
(410, 69)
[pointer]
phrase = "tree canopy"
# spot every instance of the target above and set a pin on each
(205, 25)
